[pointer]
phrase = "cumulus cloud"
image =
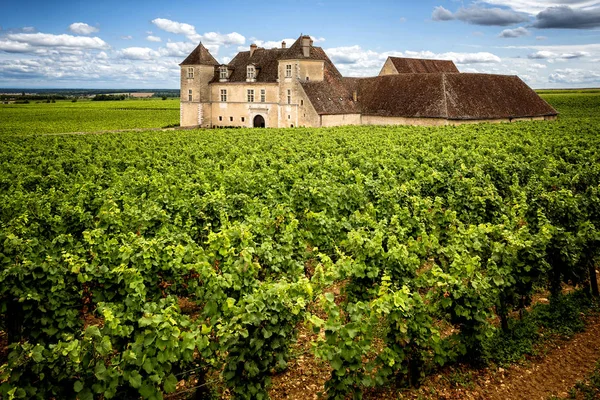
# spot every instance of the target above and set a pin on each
(138, 53)
(177, 49)
(550, 55)
(209, 38)
(151, 38)
(126, 37)
(565, 17)
(533, 7)
(355, 61)
(81, 28)
(575, 76)
(477, 15)
(50, 40)
(513, 33)
(179, 28)
(11, 46)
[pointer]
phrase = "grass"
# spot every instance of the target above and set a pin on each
(87, 116)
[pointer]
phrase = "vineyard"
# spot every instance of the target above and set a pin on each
(87, 116)
(159, 263)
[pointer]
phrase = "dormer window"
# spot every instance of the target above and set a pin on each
(223, 73)
(190, 72)
(250, 73)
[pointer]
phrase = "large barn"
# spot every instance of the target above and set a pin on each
(300, 86)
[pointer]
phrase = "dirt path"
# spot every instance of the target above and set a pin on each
(554, 374)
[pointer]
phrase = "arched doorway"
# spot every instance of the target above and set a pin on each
(259, 121)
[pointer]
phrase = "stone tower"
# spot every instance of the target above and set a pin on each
(197, 70)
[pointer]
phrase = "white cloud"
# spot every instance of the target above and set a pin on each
(81, 28)
(355, 61)
(541, 38)
(138, 53)
(29, 29)
(11, 46)
(126, 37)
(179, 28)
(514, 33)
(575, 76)
(533, 7)
(222, 39)
(550, 55)
(50, 40)
(151, 38)
(209, 38)
(177, 49)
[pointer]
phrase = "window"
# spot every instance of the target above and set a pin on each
(190, 95)
(250, 95)
(263, 95)
(223, 73)
(289, 96)
(250, 72)
(301, 102)
(220, 118)
(190, 73)
(243, 119)
(288, 71)
(230, 119)
(223, 95)
(289, 116)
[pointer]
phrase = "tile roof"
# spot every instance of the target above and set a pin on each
(422, 66)
(200, 56)
(266, 61)
(432, 95)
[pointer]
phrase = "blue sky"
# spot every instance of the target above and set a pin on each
(126, 44)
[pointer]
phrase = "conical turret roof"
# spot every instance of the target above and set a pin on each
(200, 56)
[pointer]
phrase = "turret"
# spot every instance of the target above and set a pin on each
(197, 71)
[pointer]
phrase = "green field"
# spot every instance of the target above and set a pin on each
(87, 116)
(134, 261)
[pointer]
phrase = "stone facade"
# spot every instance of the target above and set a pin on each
(299, 86)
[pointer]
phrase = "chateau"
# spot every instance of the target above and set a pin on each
(300, 86)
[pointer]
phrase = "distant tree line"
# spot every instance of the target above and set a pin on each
(109, 97)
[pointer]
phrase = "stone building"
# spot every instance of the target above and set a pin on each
(300, 86)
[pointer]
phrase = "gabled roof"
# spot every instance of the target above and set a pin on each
(422, 66)
(295, 52)
(267, 62)
(431, 95)
(200, 56)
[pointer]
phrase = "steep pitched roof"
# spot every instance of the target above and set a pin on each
(486, 96)
(266, 62)
(422, 66)
(295, 51)
(431, 95)
(200, 56)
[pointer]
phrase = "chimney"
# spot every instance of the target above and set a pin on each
(306, 42)
(252, 49)
(283, 44)
(355, 96)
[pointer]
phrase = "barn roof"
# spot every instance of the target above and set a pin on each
(430, 95)
(200, 56)
(422, 66)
